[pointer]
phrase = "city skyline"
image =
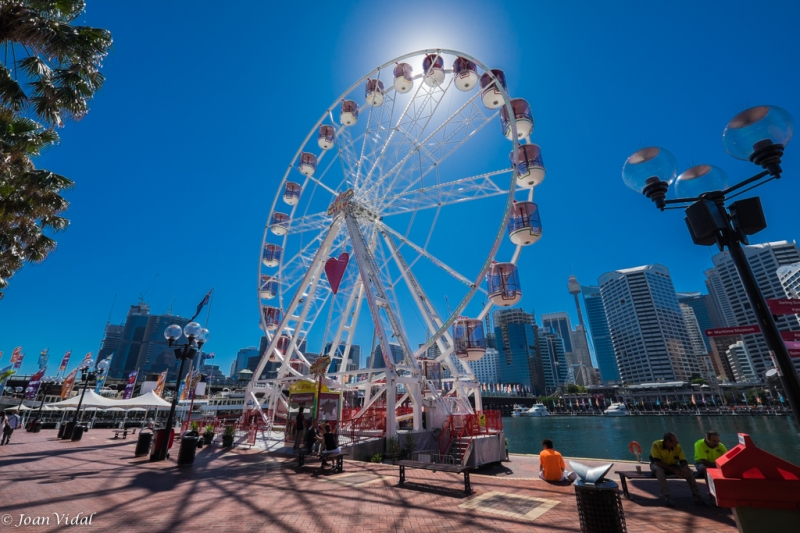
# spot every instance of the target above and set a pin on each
(125, 226)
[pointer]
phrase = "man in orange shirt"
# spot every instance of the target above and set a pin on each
(551, 464)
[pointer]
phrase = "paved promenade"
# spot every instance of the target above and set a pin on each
(251, 490)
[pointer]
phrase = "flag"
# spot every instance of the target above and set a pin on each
(69, 381)
(780, 397)
(33, 384)
(693, 400)
(203, 302)
(193, 384)
(65, 361)
(130, 385)
(211, 355)
(43, 358)
(758, 399)
(16, 357)
(1, 355)
(101, 379)
(162, 380)
(3, 383)
(713, 400)
(745, 398)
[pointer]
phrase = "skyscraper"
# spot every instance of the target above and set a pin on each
(698, 347)
(601, 335)
(353, 357)
(550, 347)
(377, 356)
(647, 326)
(517, 358)
(580, 340)
(560, 323)
(112, 338)
(765, 260)
(741, 363)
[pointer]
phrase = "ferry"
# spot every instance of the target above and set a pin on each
(617, 409)
(537, 410)
(519, 410)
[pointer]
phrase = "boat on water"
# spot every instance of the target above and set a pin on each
(519, 410)
(617, 409)
(537, 410)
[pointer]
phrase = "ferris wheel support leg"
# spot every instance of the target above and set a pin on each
(391, 404)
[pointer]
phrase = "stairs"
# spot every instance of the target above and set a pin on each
(459, 447)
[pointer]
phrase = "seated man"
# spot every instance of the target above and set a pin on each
(551, 464)
(666, 457)
(329, 440)
(706, 453)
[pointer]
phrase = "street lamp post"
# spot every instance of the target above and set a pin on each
(196, 337)
(43, 385)
(758, 134)
(89, 370)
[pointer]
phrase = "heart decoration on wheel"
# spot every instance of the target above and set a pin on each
(334, 270)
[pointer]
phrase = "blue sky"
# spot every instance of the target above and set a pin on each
(178, 161)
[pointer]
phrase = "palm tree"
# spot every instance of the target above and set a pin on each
(49, 72)
(50, 68)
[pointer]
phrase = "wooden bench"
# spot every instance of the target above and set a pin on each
(625, 475)
(337, 459)
(436, 467)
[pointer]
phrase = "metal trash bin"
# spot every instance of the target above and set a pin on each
(77, 432)
(143, 443)
(37, 426)
(599, 507)
(67, 430)
(188, 448)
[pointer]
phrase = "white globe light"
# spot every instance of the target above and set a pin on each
(173, 332)
(192, 329)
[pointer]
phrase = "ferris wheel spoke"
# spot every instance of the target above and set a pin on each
(313, 222)
(438, 146)
(448, 193)
(435, 261)
(416, 115)
(379, 127)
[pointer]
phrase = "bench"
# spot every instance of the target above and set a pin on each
(123, 431)
(436, 467)
(625, 475)
(335, 458)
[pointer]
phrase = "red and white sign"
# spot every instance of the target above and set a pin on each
(793, 347)
(783, 306)
(738, 330)
(790, 335)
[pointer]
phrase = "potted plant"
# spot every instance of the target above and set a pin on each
(195, 429)
(208, 436)
(227, 437)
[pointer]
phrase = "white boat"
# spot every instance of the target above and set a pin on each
(519, 410)
(617, 409)
(537, 410)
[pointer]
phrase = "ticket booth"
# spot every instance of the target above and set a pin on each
(319, 404)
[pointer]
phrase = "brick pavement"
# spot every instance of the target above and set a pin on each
(252, 491)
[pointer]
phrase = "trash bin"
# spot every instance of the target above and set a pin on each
(77, 432)
(143, 443)
(67, 430)
(158, 442)
(599, 507)
(37, 426)
(188, 448)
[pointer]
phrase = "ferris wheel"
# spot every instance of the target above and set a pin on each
(404, 196)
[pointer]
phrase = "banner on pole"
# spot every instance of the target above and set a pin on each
(162, 380)
(65, 361)
(69, 382)
(3, 382)
(16, 357)
(43, 356)
(33, 385)
(130, 385)
(101, 379)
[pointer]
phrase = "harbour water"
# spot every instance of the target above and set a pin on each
(608, 437)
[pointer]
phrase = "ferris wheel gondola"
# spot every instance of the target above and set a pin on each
(373, 200)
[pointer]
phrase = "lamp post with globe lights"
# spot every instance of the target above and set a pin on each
(196, 336)
(760, 135)
(89, 370)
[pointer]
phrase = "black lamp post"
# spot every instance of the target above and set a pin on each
(196, 337)
(88, 371)
(758, 134)
(43, 385)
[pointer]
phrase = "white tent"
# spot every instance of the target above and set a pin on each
(151, 399)
(90, 399)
